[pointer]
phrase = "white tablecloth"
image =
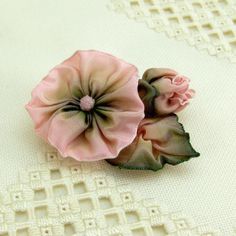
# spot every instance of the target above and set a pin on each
(36, 35)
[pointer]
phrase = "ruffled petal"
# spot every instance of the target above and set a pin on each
(65, 127)
(117, 133)
(58, 86)
(101, 73)
(124, 98)
(53, 93)
(163, 106)
(91, 145)
(118, 114)
(165, 85)
(157, 73)
(172, 91)
(42, 116)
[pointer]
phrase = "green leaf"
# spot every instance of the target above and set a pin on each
(147, 93)
(159, 141)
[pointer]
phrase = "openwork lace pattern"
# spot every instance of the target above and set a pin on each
(62, 197)
(208, 25)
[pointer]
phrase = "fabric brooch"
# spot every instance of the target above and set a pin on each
(93, 106)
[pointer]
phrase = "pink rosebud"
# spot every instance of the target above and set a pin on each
(172, 90)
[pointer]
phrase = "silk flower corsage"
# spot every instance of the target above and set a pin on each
(93, 106)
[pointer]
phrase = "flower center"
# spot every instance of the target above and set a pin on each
(87, 103)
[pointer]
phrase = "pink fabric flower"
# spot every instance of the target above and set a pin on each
(173, 91)
(88, 107)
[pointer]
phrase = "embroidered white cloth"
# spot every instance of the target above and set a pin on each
(36, 35)
(208, 25)
(64, 198)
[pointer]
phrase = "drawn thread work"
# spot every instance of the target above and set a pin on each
(208, 25)
(61, 197)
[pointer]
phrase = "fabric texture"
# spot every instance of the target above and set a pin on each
(36, 35)
(209, 26)
(64, 197)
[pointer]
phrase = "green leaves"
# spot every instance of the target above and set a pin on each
(159, 141)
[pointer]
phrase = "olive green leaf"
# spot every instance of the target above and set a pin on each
(159, 141)
(147, 93)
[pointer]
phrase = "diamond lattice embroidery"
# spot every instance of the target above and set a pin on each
(61, 197)
(208, 25)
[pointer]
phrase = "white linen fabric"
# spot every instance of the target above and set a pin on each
(64, 197)
(206, 25)
(36, 35)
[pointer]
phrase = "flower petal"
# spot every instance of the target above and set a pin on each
(119, 124)
(165, 85)
(58, 86)
(117, 133)
(101, 73)
(51, 95)
(91, 145)
(172, 91)
(124, 98)
(65, 127)
(163, 106)
(157, 73)
(42, 116)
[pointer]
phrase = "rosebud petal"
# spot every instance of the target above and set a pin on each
(172, 91)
